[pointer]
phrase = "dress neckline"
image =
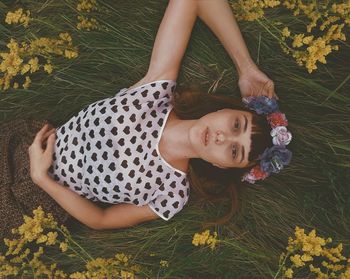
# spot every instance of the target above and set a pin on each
(158, 140)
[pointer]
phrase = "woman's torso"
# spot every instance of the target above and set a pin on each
(109, 151)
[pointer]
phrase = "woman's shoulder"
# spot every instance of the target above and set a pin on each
(150, 81)
(160, 90)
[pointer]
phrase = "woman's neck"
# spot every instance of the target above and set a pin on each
(174, 144)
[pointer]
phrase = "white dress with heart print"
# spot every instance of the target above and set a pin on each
(109, 151)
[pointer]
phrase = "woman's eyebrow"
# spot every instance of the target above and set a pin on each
(245, 124)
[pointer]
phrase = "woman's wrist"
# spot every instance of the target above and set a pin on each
(244, 65)
(40, 179)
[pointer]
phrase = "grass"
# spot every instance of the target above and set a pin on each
(313, 192)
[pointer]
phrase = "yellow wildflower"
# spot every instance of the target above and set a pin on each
(126, 274)
(334, 267)
(205, 238)
(9, 270)
(41, 239)
(18, 17)
(306, 258)
(307, 40)
(253, 9)
(12, 64)
(51, 238)
(25, 86)
(65, 36)
(25, 69)
(122, 257)
(48, 68)
(86, 23)
(289, 273)
(346, 273)
(70, 54)
(312, 245)
(318, 271)
(63, 246)
(296, 259)
(285, 32)
(87, 5)
(164, 263)
(298, 40)
(200, 239)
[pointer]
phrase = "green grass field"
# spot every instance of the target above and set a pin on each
(312, 193)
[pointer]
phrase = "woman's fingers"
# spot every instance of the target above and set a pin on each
(40, 134)
(272, 92)
(48, 133)
(44, 132)
(50, 144)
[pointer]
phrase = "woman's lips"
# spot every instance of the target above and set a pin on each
(205, 137)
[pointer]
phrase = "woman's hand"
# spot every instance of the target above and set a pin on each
(41, 158)
(253, 82)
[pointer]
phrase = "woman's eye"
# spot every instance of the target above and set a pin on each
(237, 124)
(234, 152)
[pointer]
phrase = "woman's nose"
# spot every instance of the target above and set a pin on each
(221, 137)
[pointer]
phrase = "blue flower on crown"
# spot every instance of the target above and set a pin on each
(275, 158)
(261, 104)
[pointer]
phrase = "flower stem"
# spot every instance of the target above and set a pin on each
(279, 269)
(77, 244)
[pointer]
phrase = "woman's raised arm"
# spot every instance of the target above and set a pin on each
(218, 15)
(171, 41)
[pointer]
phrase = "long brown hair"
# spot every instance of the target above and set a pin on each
(210, 182)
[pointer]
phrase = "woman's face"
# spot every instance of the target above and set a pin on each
(223, 138)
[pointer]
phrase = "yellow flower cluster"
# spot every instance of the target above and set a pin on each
(252, 9)
(17, 257)
(109, 268)
(308, 49)
(32, 232)
(12, 63)
(305, 248)
(17, 17)
(85, 22)
(328, 19)
(87, 5)
(343, 10)
(205, 238)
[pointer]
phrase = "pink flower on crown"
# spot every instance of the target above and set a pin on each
(277, 119)
(280, 135)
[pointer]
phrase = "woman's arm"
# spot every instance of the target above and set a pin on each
(171, 41)
(217, 14)
(77, 206)
(88, 213)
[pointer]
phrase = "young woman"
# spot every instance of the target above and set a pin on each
(141, 149)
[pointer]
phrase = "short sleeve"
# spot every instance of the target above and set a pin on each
(167, 206)
(154, 91)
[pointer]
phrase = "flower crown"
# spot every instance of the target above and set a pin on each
(273, 159)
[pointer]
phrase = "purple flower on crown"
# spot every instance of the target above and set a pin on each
(275, 158)
(261, 104)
